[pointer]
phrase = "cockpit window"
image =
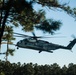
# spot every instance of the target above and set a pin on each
(20, 41)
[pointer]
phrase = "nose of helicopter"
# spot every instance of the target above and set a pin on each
(17, 44)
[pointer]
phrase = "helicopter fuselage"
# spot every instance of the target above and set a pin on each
(39, 45)
(42, 45)
(32, 42)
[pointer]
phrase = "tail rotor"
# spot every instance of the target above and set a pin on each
(73, 36)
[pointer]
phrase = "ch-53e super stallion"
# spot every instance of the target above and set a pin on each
(32, 42)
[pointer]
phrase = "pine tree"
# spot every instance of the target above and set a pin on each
(8, 37)
(20, 12)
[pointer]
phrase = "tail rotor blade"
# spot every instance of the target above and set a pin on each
(73, 36)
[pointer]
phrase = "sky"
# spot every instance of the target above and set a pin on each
(59, 56)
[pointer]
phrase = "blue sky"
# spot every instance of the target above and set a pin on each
(60, 56)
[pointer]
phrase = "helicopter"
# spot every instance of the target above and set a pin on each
(32, 42)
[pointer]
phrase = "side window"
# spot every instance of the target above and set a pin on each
(25, 43)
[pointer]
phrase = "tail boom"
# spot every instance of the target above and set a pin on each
(70, 45)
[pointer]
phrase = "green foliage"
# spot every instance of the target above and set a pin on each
(2, 73)
(22, 13)
(8, 37)
(64, 70)
(7, 68)
(10, 52)
(8, 33)
(49, 25)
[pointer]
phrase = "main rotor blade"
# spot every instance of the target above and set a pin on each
(22, 35)
(34, 36)
(48, 37)
(2, 53)
(8, 43)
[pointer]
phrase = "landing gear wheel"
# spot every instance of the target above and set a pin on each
(17, 47)
(40, 51)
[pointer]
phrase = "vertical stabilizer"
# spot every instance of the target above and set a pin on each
(71, 44)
